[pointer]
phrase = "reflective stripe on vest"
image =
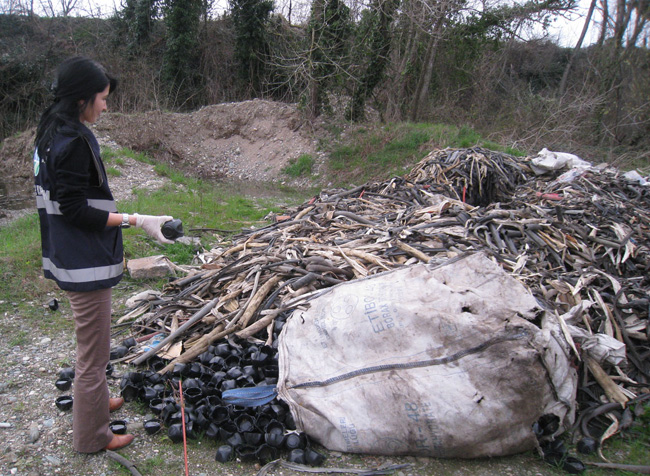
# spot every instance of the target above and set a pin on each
(83, 275)
(52, 207)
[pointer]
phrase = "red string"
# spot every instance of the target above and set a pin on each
(180, 389)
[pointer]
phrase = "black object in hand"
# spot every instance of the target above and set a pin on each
(172, 229)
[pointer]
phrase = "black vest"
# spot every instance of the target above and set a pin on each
(77, 259)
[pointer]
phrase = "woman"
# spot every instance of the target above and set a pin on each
(81, 237)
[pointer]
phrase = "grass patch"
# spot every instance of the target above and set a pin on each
(176, 177)
(203, 208)
(150, 464)
(116, 156)
(137, 156)
(630, 446)
(21, 280)
(374, 153)
(19, 338)
(109, 155)
(300, 166)
(465, 137)
(370, 153)
(113, 172)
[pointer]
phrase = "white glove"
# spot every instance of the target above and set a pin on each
(151, 225)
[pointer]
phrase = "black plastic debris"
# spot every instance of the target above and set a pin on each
(587, 446)
(224, 454)
(66, 372)
(259, 433)
(172, 229)
(555, 454)
(118, 352)
(63, 384)
(64, 402)
(151, 427)
(118, 427)
(53, 304)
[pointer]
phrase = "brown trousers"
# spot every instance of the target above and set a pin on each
(90, 414)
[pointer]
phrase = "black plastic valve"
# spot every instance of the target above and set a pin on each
(172, 229)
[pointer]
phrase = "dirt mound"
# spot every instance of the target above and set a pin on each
(250, 140)
(16, 156)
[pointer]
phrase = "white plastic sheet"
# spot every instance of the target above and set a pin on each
(600, 347)
(635, 176)
(547, 161)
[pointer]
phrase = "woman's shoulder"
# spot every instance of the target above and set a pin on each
(66, 140)
(73, 130)
(71, 133)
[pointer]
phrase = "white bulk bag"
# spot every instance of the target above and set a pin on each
(437, 361)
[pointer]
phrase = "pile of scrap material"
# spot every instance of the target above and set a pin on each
(578, 239)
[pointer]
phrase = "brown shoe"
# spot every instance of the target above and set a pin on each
(119, 441)
(115, 403)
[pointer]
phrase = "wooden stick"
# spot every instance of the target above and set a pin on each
(366, 256)
(243, 247)
(412, 251)
(199, 347)
(634, 468)
(258, 325)
(243, 308)
(124, 462)
(609, 386)
(303, 213)
(257, 300)
(196, 317)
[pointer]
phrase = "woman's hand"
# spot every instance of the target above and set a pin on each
(151, 225)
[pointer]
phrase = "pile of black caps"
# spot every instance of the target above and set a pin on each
(259, 434)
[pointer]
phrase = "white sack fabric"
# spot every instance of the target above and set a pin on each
(436, 361)
(547, 160)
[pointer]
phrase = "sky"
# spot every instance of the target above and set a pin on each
(565, 31)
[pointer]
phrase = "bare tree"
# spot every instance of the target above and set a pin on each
(63, 8)
(565, 75)
(604, 9)
(67, 6)
(641, 16)
(17, 7)
(624, 22)
(314, 102)
(621, 19)
(422, 91)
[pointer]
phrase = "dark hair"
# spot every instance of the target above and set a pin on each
(77, 79)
